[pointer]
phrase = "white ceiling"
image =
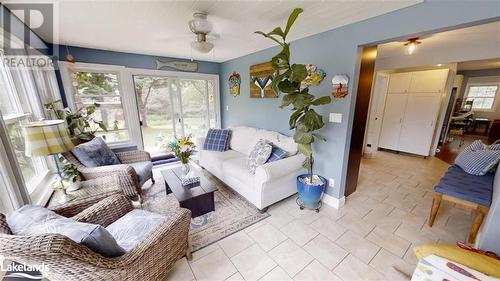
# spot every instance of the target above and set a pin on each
(473, 38)
(160, 27)
(479, 64)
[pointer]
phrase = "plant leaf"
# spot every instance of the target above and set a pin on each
(322, 100)
(303, 137)
(291, 19)
(312, 120)
(270, 37)
(305, 148)
(318, 136)
(299, 72)
(293, 118)
(277, 31)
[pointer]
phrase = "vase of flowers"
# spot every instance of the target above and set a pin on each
(183, 148)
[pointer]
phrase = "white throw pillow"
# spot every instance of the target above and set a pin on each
(259, 155)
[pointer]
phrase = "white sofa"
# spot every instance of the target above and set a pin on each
(272, 181)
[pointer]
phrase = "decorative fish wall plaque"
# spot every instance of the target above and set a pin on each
(261, 77)
(178, 65)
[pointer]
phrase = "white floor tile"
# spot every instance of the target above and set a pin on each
(181, 271)
(389, 241)
(236, 243)
(267, 236)
(290, 257)
(329, 228)
(277, 274)
(358, 246)
(299, 232)
(316, 272)
(253, 263)
(352, 268)
(325, 251)
(214, 266)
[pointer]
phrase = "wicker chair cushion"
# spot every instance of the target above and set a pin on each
(143, 170)
(134, 227)
(95, 153)
(33, 220)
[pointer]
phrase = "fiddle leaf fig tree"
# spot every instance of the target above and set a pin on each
(304, 119)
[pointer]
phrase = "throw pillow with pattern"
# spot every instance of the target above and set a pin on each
(276, 154)
(478, 158)
(217, 140)
(259, 155)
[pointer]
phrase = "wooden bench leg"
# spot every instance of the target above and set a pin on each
(481, 212)
(436, 202)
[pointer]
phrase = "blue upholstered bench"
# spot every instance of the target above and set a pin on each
(459, 187)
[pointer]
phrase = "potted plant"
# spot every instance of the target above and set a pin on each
(304, 119)
(183, 148)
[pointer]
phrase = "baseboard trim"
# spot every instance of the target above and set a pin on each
(332, 201)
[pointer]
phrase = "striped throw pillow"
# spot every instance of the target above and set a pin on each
(478, 158)
(276, 154)
(217, 140)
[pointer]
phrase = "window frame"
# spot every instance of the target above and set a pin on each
(478, 84)
(122, 77)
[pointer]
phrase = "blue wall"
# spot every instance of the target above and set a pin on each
(336, 51)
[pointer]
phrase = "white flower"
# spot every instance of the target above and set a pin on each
(185, 148)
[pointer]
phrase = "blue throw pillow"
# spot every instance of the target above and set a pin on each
(478, 159)
(95, 153)
(217, 140)
(276, 154)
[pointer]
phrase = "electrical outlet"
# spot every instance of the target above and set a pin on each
(335, 117)
(331, 182)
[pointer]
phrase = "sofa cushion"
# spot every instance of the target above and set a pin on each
(134, 227)
(217, 140)
(33, 220)
(212, 160)
(259, 155)
(236, 168)
(143, 170)
(243, 139)
(282, 141)
(478, 158)
(95, 153)
(459, 184)
(276, 153)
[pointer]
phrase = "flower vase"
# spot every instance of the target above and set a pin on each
(186, 168)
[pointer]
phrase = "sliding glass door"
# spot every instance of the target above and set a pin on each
(171, 107)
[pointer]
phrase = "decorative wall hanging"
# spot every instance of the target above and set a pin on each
(234, 84)
(314, 76)
(261, 77)
(178, 65)
(340, 85)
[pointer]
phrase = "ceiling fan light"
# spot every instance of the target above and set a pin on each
(202, 47)
(200, 24)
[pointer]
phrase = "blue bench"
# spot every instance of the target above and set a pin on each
(459, 187)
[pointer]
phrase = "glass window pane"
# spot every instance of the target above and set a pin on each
(194, 107)
(102, 91)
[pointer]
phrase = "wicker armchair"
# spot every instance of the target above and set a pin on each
(129, 181)
(65, 259)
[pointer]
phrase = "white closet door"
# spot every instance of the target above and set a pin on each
(419, 123)
(393, 118)
(428, 81)
(399, 82)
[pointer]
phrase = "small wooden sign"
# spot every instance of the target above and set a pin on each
(178, 65)
(261, 77)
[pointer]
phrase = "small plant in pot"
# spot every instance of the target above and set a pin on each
(304, 119)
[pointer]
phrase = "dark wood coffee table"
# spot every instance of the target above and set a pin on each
(198, 198)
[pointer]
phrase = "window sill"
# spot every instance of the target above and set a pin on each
(40, 195)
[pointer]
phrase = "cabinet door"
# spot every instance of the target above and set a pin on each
(429, 81)
(399, 82)
(419, 123)
(393, 118)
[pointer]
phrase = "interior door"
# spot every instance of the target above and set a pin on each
(395, 105)
(419, 122)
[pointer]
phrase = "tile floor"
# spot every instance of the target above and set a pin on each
(373, 233)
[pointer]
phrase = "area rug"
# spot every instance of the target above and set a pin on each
(232, 212)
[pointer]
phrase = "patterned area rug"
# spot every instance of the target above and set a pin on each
(232, 212)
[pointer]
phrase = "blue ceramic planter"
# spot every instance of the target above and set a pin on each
(310, 195)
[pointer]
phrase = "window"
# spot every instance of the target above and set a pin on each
(482, 97)
(102, 91)
(16, 110)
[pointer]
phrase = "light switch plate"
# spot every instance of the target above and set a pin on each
(331, 182)
(335, 117)
(227, 107)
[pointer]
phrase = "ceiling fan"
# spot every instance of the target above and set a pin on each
(201, 27)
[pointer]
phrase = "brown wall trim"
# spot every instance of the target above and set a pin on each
(366, 72)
